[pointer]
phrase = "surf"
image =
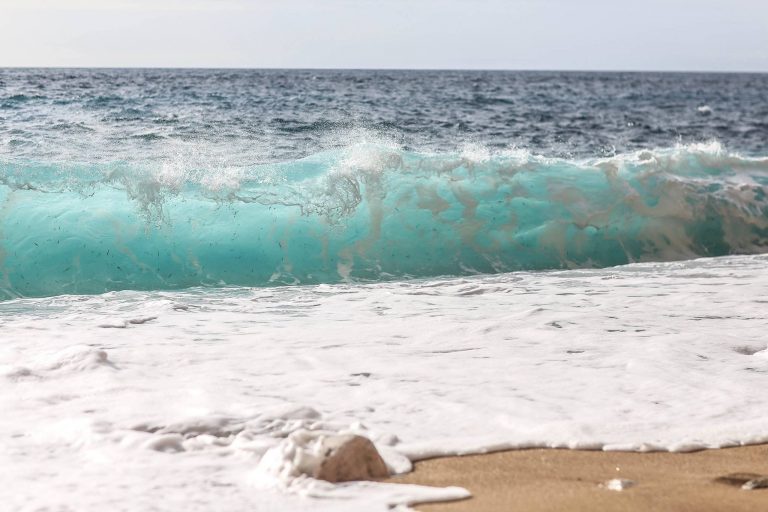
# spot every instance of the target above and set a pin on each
(369, 212)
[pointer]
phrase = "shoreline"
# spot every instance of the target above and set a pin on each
(548, 480)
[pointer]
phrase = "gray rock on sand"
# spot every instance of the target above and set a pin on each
(745, 481)
(355, 458)
(618, 484)
(755, 483)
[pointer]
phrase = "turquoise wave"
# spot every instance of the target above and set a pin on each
(368, 213)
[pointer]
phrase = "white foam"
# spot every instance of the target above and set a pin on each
(618, 484)
(179, 412)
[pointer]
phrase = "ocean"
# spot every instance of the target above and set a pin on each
(199, 266)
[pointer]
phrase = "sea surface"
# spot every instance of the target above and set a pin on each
(202, 271)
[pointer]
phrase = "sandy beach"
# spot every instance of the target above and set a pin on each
(557, 480)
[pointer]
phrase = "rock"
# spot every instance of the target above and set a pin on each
(618, 484)
(746, 481)
(322, 455)
(352, 458)
(755, 483)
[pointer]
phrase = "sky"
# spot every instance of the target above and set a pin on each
(665, 35)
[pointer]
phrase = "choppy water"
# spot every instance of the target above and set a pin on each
(219, 118)
(449, 242)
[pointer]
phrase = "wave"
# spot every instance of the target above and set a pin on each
(367, 213)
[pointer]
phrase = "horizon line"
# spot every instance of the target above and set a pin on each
(501, 70)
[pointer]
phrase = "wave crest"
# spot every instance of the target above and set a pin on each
(370, 212)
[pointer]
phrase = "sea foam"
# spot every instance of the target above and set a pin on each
(651, 356)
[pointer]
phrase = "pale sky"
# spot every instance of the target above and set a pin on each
(684, 35)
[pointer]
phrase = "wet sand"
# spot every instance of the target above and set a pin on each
(570, 480)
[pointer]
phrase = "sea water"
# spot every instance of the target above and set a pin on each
(197, 265)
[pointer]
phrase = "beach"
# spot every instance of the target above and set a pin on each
(546, 480)
(208, 277)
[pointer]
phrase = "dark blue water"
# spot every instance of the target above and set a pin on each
(253, 116)
(162, 179)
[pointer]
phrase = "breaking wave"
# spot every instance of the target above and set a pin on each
(367, 213)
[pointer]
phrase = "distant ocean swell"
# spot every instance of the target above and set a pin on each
(367, 213)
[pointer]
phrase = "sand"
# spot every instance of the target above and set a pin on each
(570, 480)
